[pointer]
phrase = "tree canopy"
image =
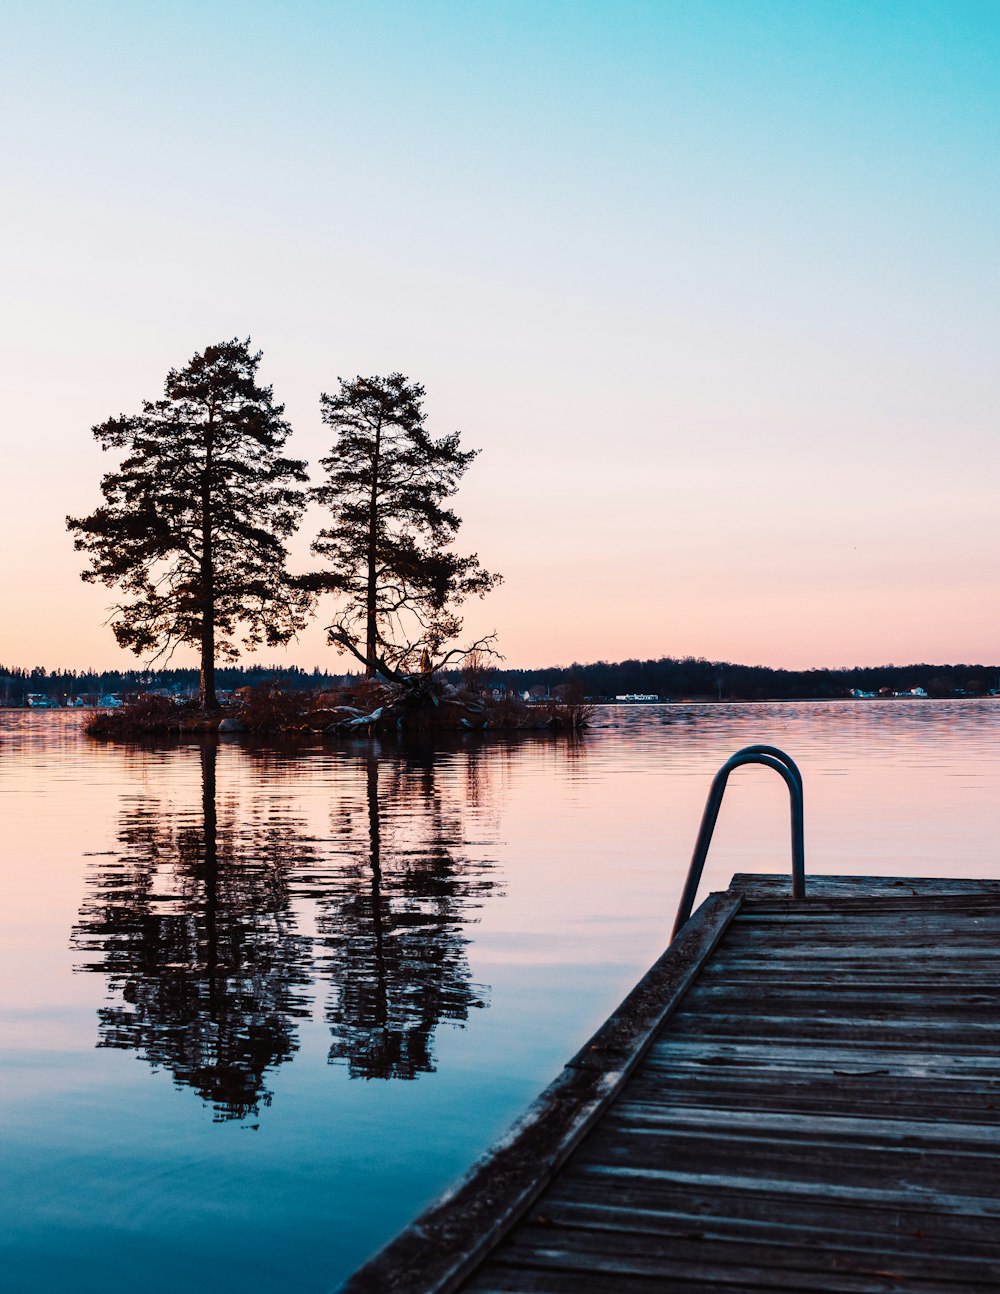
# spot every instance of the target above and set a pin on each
(398, 583)
(195, 518)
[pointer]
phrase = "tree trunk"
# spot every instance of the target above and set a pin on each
(206, 679)
(208, 699)
(371, 636)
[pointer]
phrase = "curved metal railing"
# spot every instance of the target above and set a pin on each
(770, 757)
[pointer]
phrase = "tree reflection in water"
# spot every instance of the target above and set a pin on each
(396, 942)
(199, 925)
(197, 936)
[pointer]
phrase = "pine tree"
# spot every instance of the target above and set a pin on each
(195, 517)
(398, 584)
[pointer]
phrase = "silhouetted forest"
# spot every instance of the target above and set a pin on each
(65, 685)
(668, 677)
(674, 678)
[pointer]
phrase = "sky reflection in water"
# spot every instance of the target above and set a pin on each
(262, 929)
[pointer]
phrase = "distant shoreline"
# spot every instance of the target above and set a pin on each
(688, 678)
(624, 705)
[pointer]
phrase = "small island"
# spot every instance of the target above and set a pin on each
(420, 708)
(194, 529)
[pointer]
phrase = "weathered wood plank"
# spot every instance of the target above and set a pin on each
(893, 1198)
(971, 975)
(519, 1280)
(949, 1135)
(831, 910)
(840, 1058)
(837, 914)
(977, 941)
(806, 946)
(625, 1254)
(837, 1162)
(833, 913)
(752, 885)
(721, 1210)
(874, 944)
(929, 999)
(943, 1034)
(872, 982)
(804, 1092)
(648, 1252)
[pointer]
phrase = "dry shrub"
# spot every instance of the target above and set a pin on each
(566, 716)
(267, 708)
(575, 715)
(369, 694)
(507, 711)
(138, 717)
(475, 669)
(332, 699)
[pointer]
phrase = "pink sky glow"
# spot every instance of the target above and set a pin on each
(712, 288)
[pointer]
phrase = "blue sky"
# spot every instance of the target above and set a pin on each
(712, 285)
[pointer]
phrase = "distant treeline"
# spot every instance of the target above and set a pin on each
(64, 685)
(722, 680)
(666, 677)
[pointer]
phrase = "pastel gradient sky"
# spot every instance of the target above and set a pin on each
(713, 286)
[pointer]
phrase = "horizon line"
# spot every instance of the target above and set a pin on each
(505, 668)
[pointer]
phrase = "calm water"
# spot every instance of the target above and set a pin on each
(259, 1007)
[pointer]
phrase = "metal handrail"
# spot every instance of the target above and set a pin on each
(770, 757)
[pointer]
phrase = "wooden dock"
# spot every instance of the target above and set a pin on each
(798, 1096)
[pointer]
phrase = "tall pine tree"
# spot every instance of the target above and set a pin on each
(387, 481)
(195, 518)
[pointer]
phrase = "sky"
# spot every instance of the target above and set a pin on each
(711, 285)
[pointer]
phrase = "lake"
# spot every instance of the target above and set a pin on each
(259, 1006)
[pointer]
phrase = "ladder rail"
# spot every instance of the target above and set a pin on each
(788, 770)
